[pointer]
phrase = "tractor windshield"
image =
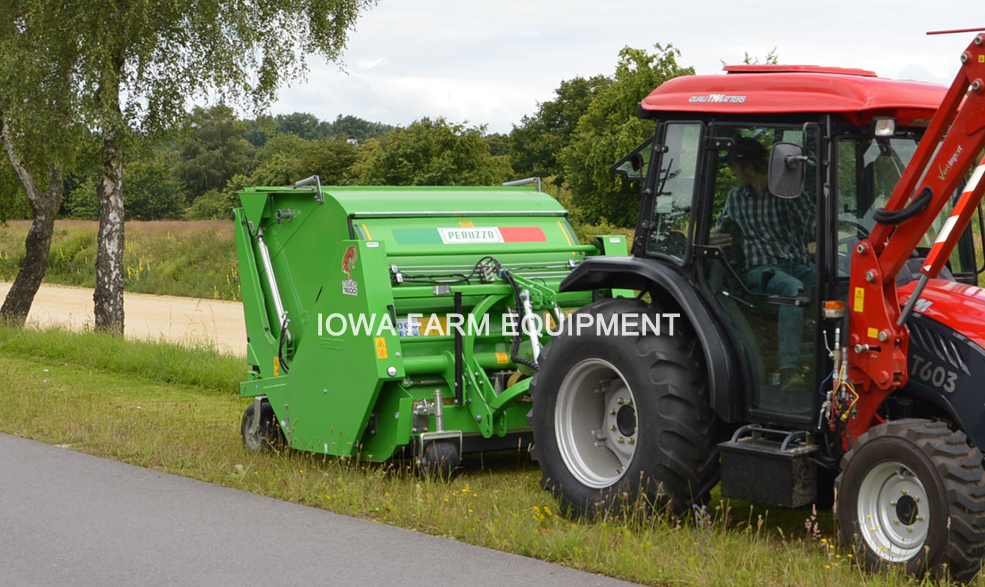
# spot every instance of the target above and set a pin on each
(868, 170)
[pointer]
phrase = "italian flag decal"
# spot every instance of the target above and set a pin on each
(471, 235)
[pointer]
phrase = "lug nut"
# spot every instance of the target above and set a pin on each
(909, 529)
(620, 440)
(612, 428)
(631, 441)
(629, 402)
(619, 401)
(903, 490)
(896, 522)
(612, 412)
(892, 502)
(920, 517)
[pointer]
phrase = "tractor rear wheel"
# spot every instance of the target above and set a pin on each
(911, 493)
(624, 420)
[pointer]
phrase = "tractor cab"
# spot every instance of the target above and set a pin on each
(757, 184)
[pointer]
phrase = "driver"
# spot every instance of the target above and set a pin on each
(777, 242)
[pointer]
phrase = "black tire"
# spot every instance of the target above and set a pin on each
(268, 435)
(673, 430)
(440, 459)
(928, 486)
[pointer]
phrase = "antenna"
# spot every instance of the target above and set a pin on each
(975, 30)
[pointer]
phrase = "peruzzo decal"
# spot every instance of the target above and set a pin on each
(349, 286)
(933, 374)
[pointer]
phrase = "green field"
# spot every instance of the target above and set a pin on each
(193, 259)
(176, 409)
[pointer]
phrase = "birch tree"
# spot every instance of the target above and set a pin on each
(138, 64)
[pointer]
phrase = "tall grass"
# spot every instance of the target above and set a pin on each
(59, 388)
(201, 366)
(193, 259)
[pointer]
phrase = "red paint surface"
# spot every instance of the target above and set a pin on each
(774, 89)
(522, 234)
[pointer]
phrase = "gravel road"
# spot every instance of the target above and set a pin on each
(147, 316)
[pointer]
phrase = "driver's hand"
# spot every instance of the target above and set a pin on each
(718, 237)
(811, 248)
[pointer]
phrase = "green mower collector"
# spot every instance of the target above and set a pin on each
(385, 321)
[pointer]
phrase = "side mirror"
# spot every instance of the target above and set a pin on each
(633, 165)
(787, 164)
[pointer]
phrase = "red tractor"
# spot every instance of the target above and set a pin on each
(811, 229)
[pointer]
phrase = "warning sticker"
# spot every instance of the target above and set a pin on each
(380, 347)
(408, 327)
(859, 304)
(873, 333)
(502, 358)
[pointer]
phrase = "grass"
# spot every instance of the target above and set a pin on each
(193, 259)
(199, 366)
(64, 389)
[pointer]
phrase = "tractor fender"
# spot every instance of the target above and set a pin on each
(663, 282)
(946, 368)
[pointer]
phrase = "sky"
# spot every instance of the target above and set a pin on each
(491, 62)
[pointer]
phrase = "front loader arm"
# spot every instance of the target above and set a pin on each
(877, 335)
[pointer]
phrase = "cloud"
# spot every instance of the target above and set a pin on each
(491, 62)
(365, 64)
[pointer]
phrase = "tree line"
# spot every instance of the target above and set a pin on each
(94, 124)
(196, 171)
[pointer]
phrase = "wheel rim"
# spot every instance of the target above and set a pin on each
(252, 440)
(893, 512)
(595, 423)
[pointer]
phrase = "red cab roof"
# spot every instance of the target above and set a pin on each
(778, 89)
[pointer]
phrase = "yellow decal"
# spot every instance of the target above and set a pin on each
(466, 224)
(502, 358)
(981, 59)
(366, 230)
(276, 366)
(859, 299)
(436, 326)
(380, 347)
(874, 333)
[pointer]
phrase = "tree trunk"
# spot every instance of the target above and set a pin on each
(108, 297)
(44, 206)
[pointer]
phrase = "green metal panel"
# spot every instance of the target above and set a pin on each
(389, 253)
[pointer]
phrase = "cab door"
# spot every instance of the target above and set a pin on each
(757, 260)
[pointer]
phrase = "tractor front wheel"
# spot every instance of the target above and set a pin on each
(911, 493)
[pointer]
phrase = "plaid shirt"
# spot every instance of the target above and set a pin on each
(774, 230)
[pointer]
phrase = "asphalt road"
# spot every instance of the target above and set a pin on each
(67, 518)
